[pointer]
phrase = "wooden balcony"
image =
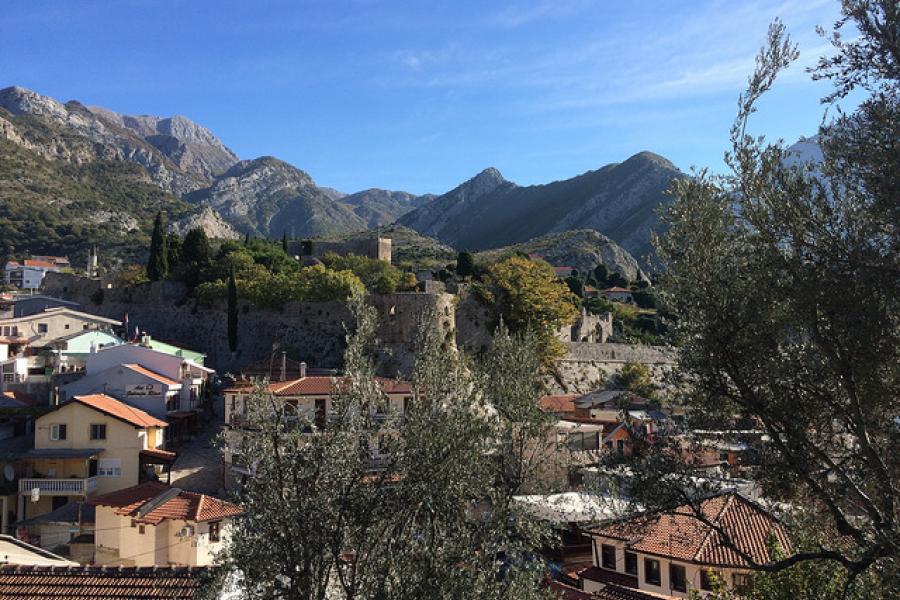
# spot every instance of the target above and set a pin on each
(59, 487)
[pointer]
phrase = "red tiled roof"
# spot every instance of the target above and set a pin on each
(555, 404)
(320, 385)
(616, 592)
(102, 583)
(567, 592)
(151, 374)
(120, 410)
(679, 534)
(616, 290)
(185, 506)
(39, 263)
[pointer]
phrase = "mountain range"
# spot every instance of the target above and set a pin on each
(90, 172)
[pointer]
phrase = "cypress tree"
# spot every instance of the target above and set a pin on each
(284, 242)
(232, 314)
(158, 264)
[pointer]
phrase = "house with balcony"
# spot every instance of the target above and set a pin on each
(675, 552)
(311, 396)
(191, 376)
(154, 524)
(29, 273)
(90, 445)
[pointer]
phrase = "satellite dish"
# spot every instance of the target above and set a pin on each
(9, 472)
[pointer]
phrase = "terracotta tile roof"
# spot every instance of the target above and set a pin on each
(679, 534)
(120, 410)
(40, 263)
(102, 583)
(151, 374)
(319, 385)
(617, 592)
(556, 404)
(566, 592)
(183, 505)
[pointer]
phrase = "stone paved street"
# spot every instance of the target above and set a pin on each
(199, 464)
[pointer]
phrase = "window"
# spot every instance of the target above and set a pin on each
(8, 377)
(98, 431)
(620, 446)
(66, 326)
(58, 431)
(630, 563)
(109, 467)
(608, 556)
(141, 529)
(677, 578)
(6, 330)
(42, 328)
(214, 531)
(651, 571)
(742, 581)
(709, 579)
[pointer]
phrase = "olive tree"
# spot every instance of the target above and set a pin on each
(784, 279)
(435, 520)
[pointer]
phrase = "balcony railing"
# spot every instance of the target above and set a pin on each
(59, 487)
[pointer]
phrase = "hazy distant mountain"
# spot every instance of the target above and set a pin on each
(488, 211)
(380, 207)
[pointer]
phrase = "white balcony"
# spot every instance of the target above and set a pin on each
(59, 487)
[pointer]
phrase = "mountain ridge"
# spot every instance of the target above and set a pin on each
(487, 211)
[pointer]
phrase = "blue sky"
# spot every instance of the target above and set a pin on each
(420, 96)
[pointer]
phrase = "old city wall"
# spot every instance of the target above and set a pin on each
(587, 367)
(314, 332)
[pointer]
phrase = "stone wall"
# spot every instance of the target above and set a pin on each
(370, 246)
(314, 332)
(588, 327)
(587, 367)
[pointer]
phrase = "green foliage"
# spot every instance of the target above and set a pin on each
(377, 275)
(232, 314)
(575, 285)
(527, 294)
(57, 207)
(635, 377)
(158, 263)
(436, 519)
(644, 298)
(267, 290)
(131, 275)
(756, 271)
(465, 264)
(173, 251)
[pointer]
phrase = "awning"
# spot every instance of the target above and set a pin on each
(62, 453)
(154, 456)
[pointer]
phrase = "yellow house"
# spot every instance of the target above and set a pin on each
(93, 444)
(153, 524)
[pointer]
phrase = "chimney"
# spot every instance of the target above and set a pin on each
(302, 370)
(284, 366)
(145, 340)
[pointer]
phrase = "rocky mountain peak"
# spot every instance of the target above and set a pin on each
(484, 183)
(22, 101)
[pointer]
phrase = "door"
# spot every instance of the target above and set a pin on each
(320, 412)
